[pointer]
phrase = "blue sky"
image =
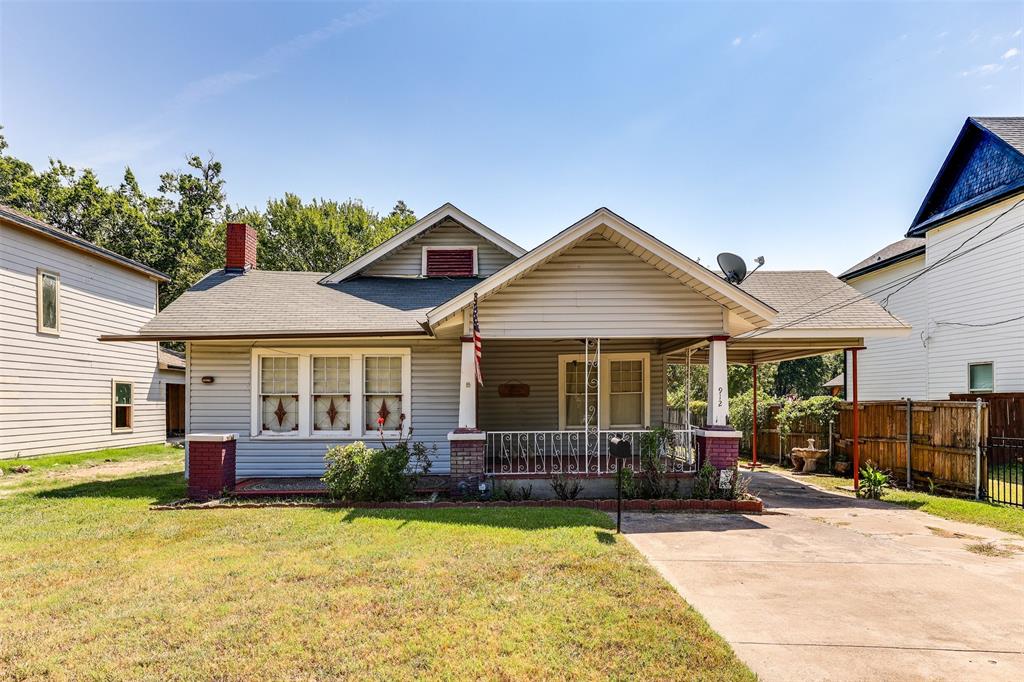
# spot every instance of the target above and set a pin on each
(807, 133)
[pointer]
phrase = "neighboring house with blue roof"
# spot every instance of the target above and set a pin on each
(957, 277)
(576, 338)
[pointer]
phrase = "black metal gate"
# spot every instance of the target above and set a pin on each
(1004, 474)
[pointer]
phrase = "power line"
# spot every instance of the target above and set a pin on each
(901, 283)
(985, 324)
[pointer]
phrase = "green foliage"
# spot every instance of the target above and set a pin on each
(704, 482)
(566, 487)
(741, 409)
(804, 377)
(179, 230)
(821, 409)
(359, 473)
(630, 485)
(873, 483)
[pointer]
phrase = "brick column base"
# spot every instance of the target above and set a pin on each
(211, 465)
(720, 447)
(467, 461)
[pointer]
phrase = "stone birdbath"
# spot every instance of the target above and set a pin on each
(805, 460)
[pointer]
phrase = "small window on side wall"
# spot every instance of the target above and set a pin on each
(47, 302)
(980, 377)
(122, 405)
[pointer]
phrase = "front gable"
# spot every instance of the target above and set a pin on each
(980, 168)
(605, 274)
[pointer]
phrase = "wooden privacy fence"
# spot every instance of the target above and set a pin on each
(944, 437)
(1005, 412)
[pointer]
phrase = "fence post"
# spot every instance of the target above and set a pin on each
(910, 439)
(830, 446)
(977, 449)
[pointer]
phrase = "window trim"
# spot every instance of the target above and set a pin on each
(992, 364)
(604, 394)
(351, 431)
(40, 328)
(305, 356)
(114, 381)
(453, 247)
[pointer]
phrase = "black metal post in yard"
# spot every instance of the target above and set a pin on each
(618, 495)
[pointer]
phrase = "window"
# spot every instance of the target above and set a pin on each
(47, 302)
(626, 405)
(382, 377)
(332, 393)
(619, 398)
(122, 405)
(279, 393)
(981, 378)
(452, 261)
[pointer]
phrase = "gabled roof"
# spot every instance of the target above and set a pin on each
(890, 255)
(630, 237)
(425, 223)
(985, 165)
(267, 303)
(71, 241)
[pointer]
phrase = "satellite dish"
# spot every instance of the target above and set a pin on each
(732, 267)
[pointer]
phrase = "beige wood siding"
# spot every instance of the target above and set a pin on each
(224, 406)
(598, 289)
(55, 390)
(536, 363)
(407, 259)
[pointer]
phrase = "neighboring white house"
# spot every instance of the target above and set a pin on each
(957, 278)
(61, 390)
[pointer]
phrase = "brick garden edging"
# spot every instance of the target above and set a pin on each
(753, 506)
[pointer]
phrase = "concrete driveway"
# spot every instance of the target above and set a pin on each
(827, 587)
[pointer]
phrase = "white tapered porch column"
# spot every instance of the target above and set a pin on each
(718, 383)
(467, 385)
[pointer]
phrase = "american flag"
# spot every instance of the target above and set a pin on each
(477, 344)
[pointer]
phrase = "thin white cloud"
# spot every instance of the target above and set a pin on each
(942, 35)
(983, 70)
(737, 41)
(1011, 53)
(1017, 33)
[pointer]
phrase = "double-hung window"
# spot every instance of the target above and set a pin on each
(279, 393)
(382, 391)
(330, 393)
(122, 405)
(626, 393)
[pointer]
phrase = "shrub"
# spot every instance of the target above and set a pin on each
(873, 482)
(704, 481)
(358, 473)
(741, 410)
(566, 488)
(821, 409)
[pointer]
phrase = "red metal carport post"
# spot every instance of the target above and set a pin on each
(856, 425)
(753, 428)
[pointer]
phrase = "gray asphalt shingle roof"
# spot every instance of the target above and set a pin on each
(800, 296)
(889, 253)
(262, 301)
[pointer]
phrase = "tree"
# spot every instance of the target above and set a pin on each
(804, 377)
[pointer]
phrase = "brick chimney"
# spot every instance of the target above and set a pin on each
(240, 248)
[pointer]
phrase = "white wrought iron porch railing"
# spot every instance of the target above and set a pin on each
(511, 453)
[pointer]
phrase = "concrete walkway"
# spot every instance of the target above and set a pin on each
(827, 587)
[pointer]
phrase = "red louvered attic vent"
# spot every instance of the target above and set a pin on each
(450, 263)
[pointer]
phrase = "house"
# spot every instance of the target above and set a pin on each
(61, 389)
(576, 337)
(957, 277)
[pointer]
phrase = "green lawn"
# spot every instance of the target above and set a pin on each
(1009, 519)
(95, 585)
